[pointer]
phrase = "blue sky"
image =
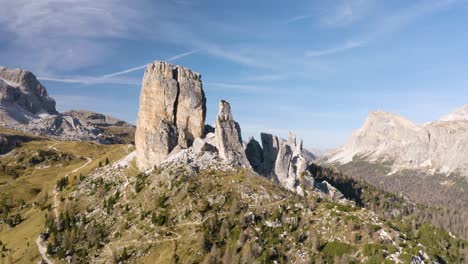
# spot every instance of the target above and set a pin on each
(313, 67)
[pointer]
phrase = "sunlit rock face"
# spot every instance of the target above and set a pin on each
(228, 137)
(172, 112)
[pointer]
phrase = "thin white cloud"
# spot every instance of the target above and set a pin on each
(388, 25)
(298, 18)
(233, 86)
(346, 12)
(52, 35)
(347, 46)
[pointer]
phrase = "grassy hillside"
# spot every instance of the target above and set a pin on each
(28, 177)
(177, 215)
(91, 208)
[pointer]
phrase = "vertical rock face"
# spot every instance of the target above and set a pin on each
(270, 152)
(172, 112)
(254, 154)
(228, 137)
(285, 163)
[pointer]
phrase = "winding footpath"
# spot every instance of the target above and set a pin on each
(43, 250)
(39, 242)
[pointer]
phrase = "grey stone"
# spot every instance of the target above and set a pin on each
(228, 137)
(172, 112)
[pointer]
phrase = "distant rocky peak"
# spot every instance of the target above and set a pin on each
(20, 88)
(380, 121)
(461, 114)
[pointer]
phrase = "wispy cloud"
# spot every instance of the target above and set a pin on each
(56, 34)
(231, 86)
(298, 18)
(346, 12)
(347, 46)
(388, 25)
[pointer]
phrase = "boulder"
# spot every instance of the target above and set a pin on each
(210, 138)
(172, 112)
(228, 137)
(200, 145)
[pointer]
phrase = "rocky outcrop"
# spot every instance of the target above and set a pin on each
(228, 137)
(172, 112)
(108, 129)
(9, 142)
(284, 162)
(254, 154)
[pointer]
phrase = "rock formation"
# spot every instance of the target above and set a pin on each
(284, 162)
(436, 147)
(254, 154)
(228, 137)
(22, 97)
(172, 112)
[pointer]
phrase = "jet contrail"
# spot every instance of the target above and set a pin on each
(178, 56)
(107, 77)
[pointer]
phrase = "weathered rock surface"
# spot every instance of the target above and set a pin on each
(172, 112)
(228, 137)
(200, 145)
(22, 97)
(284, 162)
(436, 147)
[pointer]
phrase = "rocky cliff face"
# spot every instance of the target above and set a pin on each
(22, 96)
(228, 137)
(172, 112)
(436, 147)
(285, 162)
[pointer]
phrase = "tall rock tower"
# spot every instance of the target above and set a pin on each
(228, 137)
(172, 112)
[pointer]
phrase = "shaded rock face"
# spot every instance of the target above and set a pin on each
(172, 112)
(228, 137)
(285, 163)
(9, 142)
(23, 96)
(254, 153)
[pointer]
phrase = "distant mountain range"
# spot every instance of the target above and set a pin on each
(427, 163)
(435, 147)
(26, 106)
